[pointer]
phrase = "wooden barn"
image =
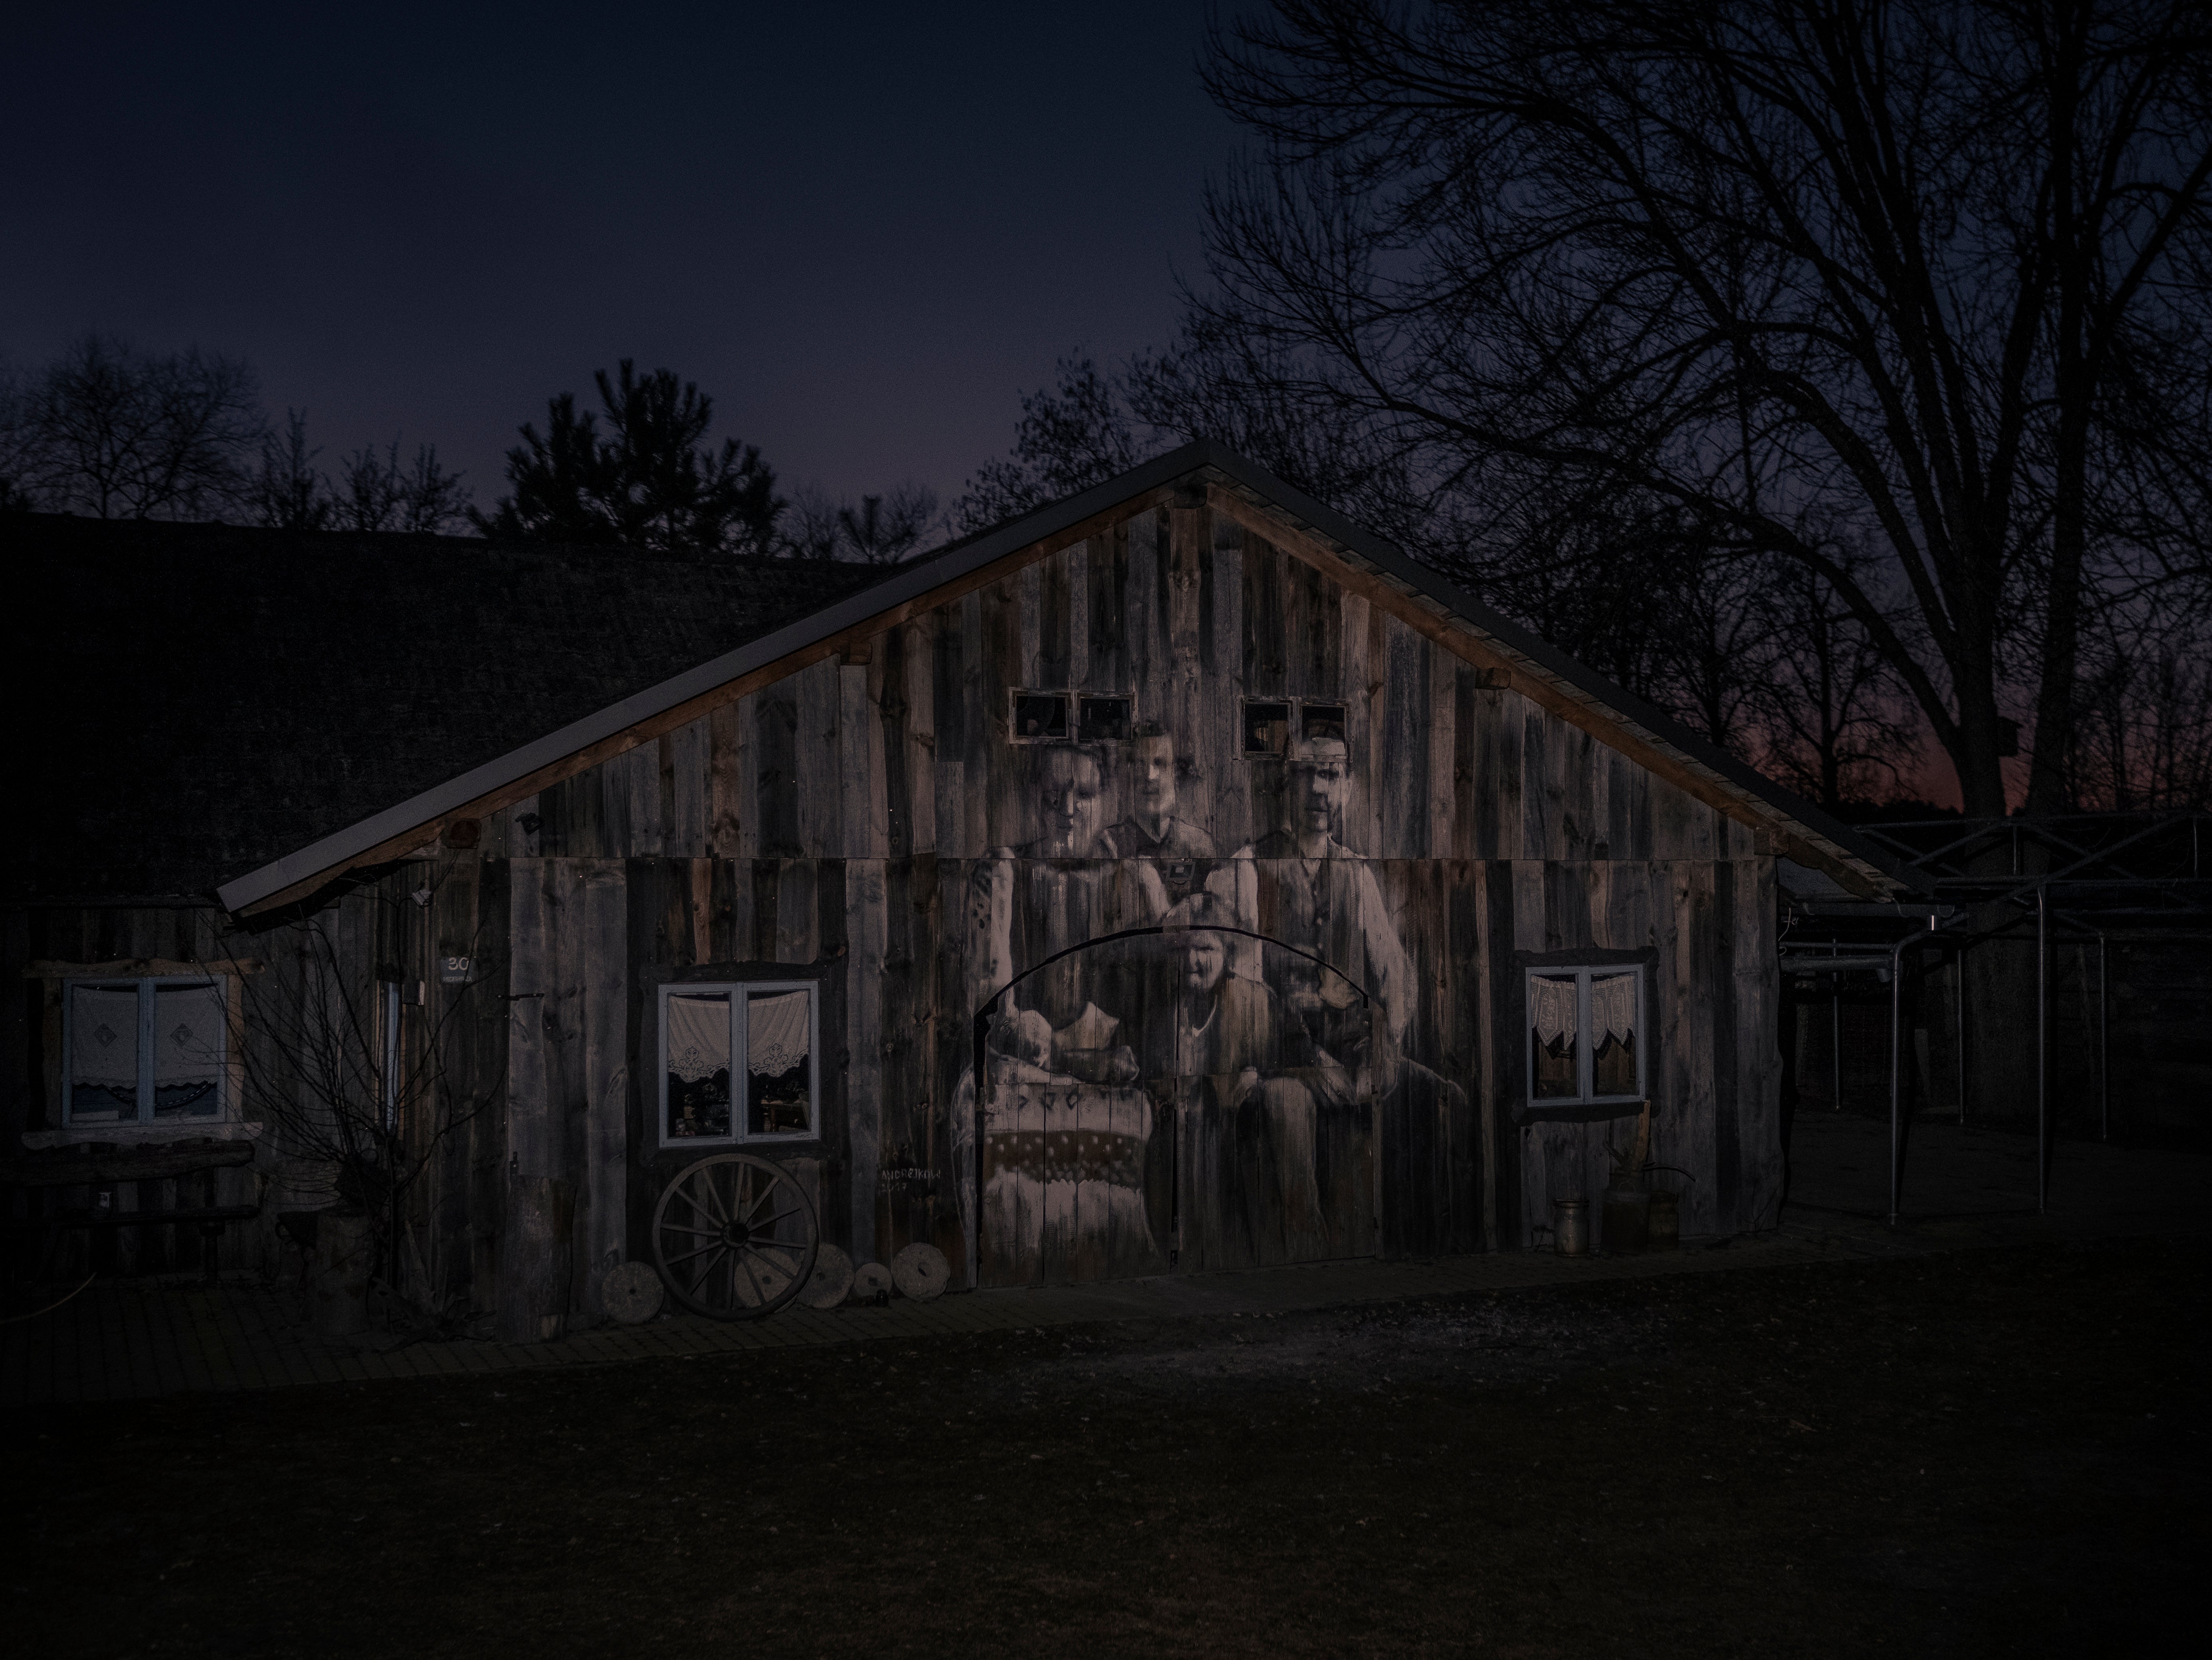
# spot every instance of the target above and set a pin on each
(1175, 878)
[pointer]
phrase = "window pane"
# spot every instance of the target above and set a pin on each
(1613, 1034)
(699, 1065)
(779, 1064)
(103, 1053)
(1266, 728)
(1101, 719)
(187, 1051)
(1552, 1018)
(1322, 721)
(1041, 716)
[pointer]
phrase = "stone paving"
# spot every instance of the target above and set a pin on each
(126, 1340)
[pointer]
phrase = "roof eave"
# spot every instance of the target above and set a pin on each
(1802, 831)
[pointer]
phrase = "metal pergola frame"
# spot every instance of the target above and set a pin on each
(2106, 876)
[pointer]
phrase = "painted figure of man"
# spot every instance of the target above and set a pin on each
(1152, 831)
(1299, 883)
(1246, 1074)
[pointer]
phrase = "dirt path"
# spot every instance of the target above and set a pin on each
(1977, 1452)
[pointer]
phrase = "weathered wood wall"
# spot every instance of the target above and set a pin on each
(842, 811)
(837, 819)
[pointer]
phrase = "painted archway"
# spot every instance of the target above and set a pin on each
(1231, 1127)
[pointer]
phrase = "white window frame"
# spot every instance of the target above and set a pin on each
(146, 985)
(740, 993)
(1585, 1047)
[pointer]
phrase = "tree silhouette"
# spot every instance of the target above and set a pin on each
(650, 479)
(1935, 273)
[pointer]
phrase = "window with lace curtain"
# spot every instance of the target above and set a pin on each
(144, 1050)
(738, 1062)
(1585, 1043)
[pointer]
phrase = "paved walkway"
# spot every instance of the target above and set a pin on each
(128, 1340)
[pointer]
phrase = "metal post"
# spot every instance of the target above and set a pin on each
(1897, 1071)
(2042, 1050)
(2104, 1041)
(1959, 995)
(1896, 1117)
(982, 1062)
(1835, 1038)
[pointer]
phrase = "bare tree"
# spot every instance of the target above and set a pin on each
(2144, 735)
(884, 529)
(809, 528)
(376, 491)
(1072, 435)
(286, 491)
(1776, 263)
(15, 458)
(124, 434)
(879, 530)
(1832, 719)
(367, 1109)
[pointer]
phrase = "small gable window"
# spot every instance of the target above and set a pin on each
(738, 1062)
(1040, 717)
(144, 1051)
(1585, 1035)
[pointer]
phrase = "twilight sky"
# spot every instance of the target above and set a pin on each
(864, 228)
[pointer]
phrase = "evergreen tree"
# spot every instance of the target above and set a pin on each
(649, 479)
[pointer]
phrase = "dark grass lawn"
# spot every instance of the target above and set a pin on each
(1998, 1453)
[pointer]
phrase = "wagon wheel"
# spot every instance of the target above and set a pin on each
(734, 1238)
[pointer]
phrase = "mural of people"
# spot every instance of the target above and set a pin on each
(1270, 1067)
(1299, 883)
(1064, 1120)
(1040, 898)
(1151, 830)
(1246, 1075)
(1223, 1024)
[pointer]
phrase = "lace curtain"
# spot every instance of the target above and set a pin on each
(1612, 1008)
(104, 1037)
(698, 1036)
(1552, 1008)
(775, 1033)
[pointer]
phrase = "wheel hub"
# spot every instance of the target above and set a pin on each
(736, 1233)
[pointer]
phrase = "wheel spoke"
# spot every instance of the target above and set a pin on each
(703, 1233)
(766, 1193)
(704, 1181)
(757, 1292)
(771, 1222)
(715, 1244)
(729, 1188)
(700, 1279)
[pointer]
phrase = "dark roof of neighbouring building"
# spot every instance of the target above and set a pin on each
(195, 700)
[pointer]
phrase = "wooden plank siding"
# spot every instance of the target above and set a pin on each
(844, 819)
(889, 777)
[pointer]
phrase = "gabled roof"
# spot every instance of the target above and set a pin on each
(1198, 471)
(192, 701)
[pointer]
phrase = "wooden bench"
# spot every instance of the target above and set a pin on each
(106, 1166)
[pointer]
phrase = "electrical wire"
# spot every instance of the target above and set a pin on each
(15, 1319)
